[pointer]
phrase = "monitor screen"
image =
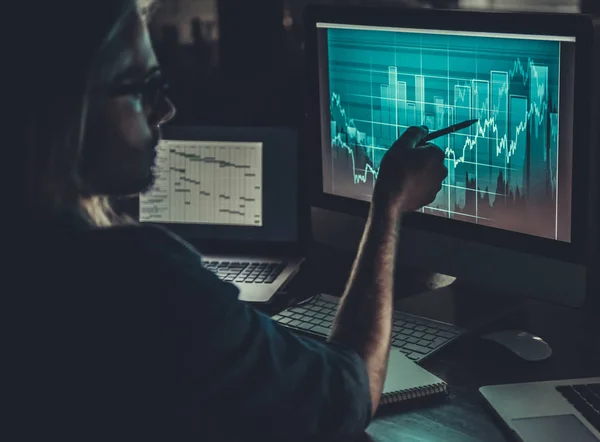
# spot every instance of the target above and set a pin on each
(234, 184)
(206, 182)
(509, 171)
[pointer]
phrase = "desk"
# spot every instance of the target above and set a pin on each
(469, 363)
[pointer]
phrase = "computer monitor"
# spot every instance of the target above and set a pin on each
(517, 212)
(229, 188)
(590, 7)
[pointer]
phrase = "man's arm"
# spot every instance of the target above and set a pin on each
(409, 178)
(231, 363)
(364, 319)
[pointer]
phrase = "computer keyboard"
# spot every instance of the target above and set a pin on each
(415, 336)
(246, 272)
(585, 399)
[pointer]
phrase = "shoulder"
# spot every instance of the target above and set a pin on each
(134, 232)
(147, 249)
(147, 240)
(154, 258)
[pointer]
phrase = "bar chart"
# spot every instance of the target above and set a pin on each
(502, 168)
(206, 182)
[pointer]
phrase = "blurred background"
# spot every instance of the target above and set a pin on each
(232, 62)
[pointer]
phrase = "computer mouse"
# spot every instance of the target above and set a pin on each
(525, 345)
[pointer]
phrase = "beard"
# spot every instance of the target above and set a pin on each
(131, 174)
(147, 184)
(139, 181)
(135, 186)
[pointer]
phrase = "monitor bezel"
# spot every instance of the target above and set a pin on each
(579, 249)
(270, 136)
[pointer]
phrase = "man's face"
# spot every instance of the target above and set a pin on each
(122, 129)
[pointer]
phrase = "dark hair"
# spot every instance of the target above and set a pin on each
(75, 42)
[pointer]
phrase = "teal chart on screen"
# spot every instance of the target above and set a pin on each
(503, 171)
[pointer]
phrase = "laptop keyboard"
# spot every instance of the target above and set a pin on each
(246, 272)
(585, 399)
(415, 336)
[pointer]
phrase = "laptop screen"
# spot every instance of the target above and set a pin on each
(220, 183)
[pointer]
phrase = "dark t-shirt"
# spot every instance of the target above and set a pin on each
(123, 334)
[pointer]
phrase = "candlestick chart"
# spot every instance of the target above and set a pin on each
(502, 171)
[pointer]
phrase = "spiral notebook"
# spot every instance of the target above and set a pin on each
(406, 381)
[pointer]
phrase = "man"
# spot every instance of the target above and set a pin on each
(120, 332)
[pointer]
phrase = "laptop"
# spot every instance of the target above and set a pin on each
(554, 411)
(235, 193)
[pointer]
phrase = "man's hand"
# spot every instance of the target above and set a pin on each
(410, 177)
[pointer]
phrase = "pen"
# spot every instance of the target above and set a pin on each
(440, 133)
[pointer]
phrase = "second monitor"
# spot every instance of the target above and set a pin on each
(515, 212)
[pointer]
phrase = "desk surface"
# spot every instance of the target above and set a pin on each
(470, 362)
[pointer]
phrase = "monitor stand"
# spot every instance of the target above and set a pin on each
(447, 299)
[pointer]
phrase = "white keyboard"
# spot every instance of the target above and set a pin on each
(415, 336)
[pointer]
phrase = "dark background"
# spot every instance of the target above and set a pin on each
(241, 62)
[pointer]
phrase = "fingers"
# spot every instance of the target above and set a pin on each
(435, 151)
(437, 159)
(411, 136)
(437, 155)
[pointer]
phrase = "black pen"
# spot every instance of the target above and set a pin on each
(440, 133)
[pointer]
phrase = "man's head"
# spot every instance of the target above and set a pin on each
(127, 105)
(92, 133)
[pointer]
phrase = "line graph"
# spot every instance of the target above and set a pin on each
(206, 182)
(503, 171)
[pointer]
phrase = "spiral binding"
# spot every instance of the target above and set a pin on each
(413, 393)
